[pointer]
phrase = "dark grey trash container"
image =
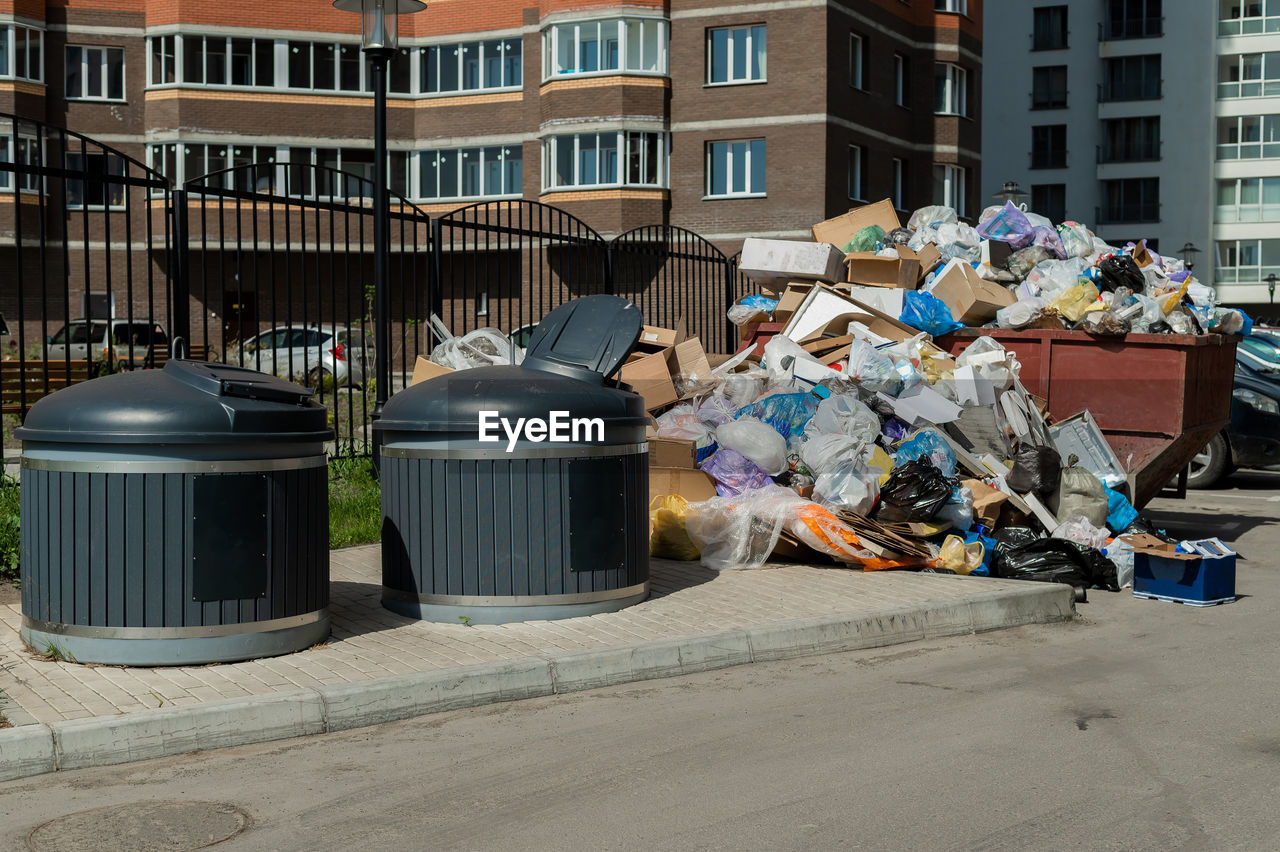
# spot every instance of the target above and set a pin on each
(175, 516)
(506, 531)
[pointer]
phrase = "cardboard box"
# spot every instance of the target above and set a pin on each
(870, 269)
(424, 369)
(673, 452)
(791, 299)
(769, 261)
(653, 338)
(650, 376)
(693, 485)
(972, 299)
(996, 253)
(1160, 572)
(688, 360)
(827, 312)
(840, 230)
(887, 300)
(929, 257)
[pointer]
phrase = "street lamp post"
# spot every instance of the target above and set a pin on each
(1271, 287)
(1189, 252)
(1010, 192)
(379, 37)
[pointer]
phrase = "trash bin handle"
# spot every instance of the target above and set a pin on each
(178, 346)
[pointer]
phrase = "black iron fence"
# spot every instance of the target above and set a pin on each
(107, 266)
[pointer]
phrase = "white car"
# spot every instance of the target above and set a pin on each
(126, 342)
(310, 354)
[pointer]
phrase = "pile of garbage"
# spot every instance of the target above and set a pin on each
(839, 431)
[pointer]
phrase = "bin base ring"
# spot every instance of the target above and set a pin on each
(184, 651)
(495, 610)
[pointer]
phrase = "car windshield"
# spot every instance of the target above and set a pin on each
(80, 333)
(1262, 349)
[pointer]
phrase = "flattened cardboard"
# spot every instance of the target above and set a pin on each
(693, 485)
(987, 501)
(673, 452)
(424, 369)
(770, 261)
(972, 299)
(872, 270)
(650, 376)
(840, 230)
(828, 312)
(887, 300)
(791, 299)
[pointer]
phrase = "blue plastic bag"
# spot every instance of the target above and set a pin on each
(1120, 512)
(927, 312)
(927, 442)
(988, 550)
(786, 412)
(734, 473)
(1010, 225)
(1248, 324)
(760, 303)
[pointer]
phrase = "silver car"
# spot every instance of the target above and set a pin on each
(125, 342)
(311, 355)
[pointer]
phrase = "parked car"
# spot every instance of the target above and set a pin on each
(1252, 438)
(311, 355)
(7, 342)
(97, 340)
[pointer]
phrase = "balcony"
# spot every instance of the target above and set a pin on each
(1248, 89)
(1130, 28)
(1248, 26)
(1233, 214)
(1143, 90)
(1248, 151)
(1128, 214)
(1129, 153)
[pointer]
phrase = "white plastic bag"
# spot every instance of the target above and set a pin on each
(822, 453)
(682, 422)
(484, 347)
(741, 531)
(844, 415)
(935, 213)
(781, 372)
(756, 440)
(1120, 552)
(1079, 530)
(872, 369)
(849, 486)
(992, 361)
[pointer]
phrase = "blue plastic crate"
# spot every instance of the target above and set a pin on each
(1184, 578)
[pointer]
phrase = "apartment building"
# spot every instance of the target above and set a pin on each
(730, 120)
(1145, 118)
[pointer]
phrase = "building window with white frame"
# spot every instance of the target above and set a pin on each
(95, 73)
(1248, 137)
(470, 66)
(899, 184)
(736, 168)
(1248, 200)
(950, 95)
(614, 46)
(224, 61)
(857, 58)
(901, 79)
(737, 55)
(959, 7)
(1247, 260)
(22, 53)
(614, 158)
(949, 186)
(457, 173)
(855, 173)
(325, 66)
(100, 190)
(164, 60)
(25, 150)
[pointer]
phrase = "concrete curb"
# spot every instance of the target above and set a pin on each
(106, 740)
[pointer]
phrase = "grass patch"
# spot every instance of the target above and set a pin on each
(9, 528)
(355, 510)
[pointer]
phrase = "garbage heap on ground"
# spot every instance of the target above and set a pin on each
(839, 431)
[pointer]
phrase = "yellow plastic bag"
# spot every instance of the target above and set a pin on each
(668, 538)
(1077, 300)
(882, 461)
(1171, 301)
(960, 557)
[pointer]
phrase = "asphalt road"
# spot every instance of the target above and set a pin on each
(1143, 725)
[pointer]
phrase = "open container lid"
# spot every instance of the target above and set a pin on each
(187, 402)
(586, 339)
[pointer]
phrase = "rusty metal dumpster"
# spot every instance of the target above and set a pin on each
(1158, 398)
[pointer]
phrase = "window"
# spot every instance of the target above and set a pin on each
(1248, 200)
(949, 186)
(899, 184)
(949, 90)
(958, 6)
(1247, 17)
(26, 151)
(901, 79)
(855, 172)
(95, 73)
(1049, 147)
(22, 53)
(632, 158)
(470, 66)
(1050, 200)
(735, 168)
(856, 60)
(1249, 137)
(1249, 75)
(1131, 78)
(1130, 200)
(219, 61)
(325, 66)
(1130, 140)
(736, 55)
(164, 55)
(96, 190)
(633, 45)
(1049, 29)
(1133, 19)
(1049, 87)
(471, 172)
(1247, 260)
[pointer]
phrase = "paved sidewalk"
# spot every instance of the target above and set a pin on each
(771, 612)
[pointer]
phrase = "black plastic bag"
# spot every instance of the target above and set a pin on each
(1035, 469)
(1142, 526)
(1120, 271)
(898, 236)
(1056, 560)
(915, 492)
(1011, 538)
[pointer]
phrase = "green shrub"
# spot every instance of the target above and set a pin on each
(9, 529)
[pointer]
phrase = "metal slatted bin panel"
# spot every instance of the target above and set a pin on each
(115, 550)
(505, 527)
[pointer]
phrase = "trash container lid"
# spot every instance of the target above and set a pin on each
(586, 339)
(453, 402)
(187, 402)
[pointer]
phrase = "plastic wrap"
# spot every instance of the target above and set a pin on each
(1077, 528)
(1009, 225)
(1074, 302)
(1022, 261)
(1077, 240)
(844, 415)
(668, 538)
(866, 239)
(787, 413)
(958, 509)
(484, 347)
(932, 215)
(821, 453)
(1120, 512)
(872, 369)
(929, 443)
(755, 440)
(734, 473)
(1021, 313)
(848, 485)
(961, 557)
(740, 531)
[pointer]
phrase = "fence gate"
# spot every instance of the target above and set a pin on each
(278, 262)
(506, 264)
(85, 242)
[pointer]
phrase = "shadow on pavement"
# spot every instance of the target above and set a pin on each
(1227, 525)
